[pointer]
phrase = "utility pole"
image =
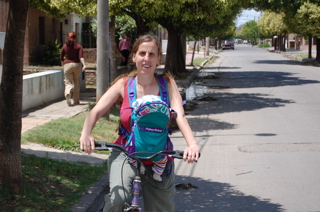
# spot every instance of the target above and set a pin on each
(103, 48)
(207, 45)
(113, 59)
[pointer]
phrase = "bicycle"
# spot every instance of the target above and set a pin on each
(136, 184)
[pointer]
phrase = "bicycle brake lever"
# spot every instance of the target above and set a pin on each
(178, 154)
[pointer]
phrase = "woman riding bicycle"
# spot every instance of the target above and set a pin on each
(157, 195)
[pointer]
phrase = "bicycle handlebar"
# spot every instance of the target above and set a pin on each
(103, 146)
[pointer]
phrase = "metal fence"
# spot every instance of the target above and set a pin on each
(88, 40)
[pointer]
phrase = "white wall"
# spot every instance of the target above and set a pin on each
(0, 74)
(42, 88)
(2, 37)
(73, 20)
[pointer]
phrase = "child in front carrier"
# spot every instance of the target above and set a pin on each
(150, 120)
(157, 195)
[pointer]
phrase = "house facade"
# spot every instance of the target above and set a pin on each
(42, 29)
(297, 42)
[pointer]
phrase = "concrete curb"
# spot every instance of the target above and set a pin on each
(93, 200)
(294, 57)
(191, 77)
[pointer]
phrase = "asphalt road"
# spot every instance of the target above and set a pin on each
(259, 132)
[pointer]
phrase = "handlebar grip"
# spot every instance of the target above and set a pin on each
(107, 146)
(179, 155)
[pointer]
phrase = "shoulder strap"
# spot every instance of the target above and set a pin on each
(132, 89)
(163, 89)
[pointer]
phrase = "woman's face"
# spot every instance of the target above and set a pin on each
(146, 58)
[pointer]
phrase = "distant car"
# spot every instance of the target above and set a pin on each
(245, 42)
(228, 44)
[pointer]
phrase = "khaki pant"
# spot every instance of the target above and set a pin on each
(157, 195)
(72, 81)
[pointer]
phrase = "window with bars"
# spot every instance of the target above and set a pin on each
(42, 40)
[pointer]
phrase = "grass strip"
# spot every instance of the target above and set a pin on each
(64, 133)
(198, 61)
(50, 185)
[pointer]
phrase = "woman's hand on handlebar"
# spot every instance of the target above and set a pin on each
(87, 144)
(191, 153)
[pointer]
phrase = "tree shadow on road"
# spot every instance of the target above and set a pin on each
(218, 88)
(238, 102)
(254, 79)
(228, 103)
(216, 196)
(278, 62)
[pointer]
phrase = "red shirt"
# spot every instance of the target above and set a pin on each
(72, 54)
(125, 114)
(125, 44)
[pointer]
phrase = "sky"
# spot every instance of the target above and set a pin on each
(247, 15)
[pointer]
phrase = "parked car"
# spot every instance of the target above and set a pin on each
(228, 44)
(245, 42)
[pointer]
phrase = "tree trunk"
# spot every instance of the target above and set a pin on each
(279, 41)
(310, 47)
(216, 44)
(184, 46)
(113, 60)
(11, 96)
(284, 38)
(318, 49)
(194, 49)
(175, 61)
(142, 27)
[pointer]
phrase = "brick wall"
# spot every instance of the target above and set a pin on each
(90, 55)
(4, 9)
(34, 51)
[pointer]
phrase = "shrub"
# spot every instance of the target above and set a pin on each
(265, 45)
(52, 54)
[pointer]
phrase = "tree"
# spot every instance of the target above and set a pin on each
(250, 30)
(271, 24)
(125, 24)
(308, 23)
(59, 8)
(182, 17)
(291, 10)
(11, 97)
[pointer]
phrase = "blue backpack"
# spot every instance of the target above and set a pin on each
(150, 120)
